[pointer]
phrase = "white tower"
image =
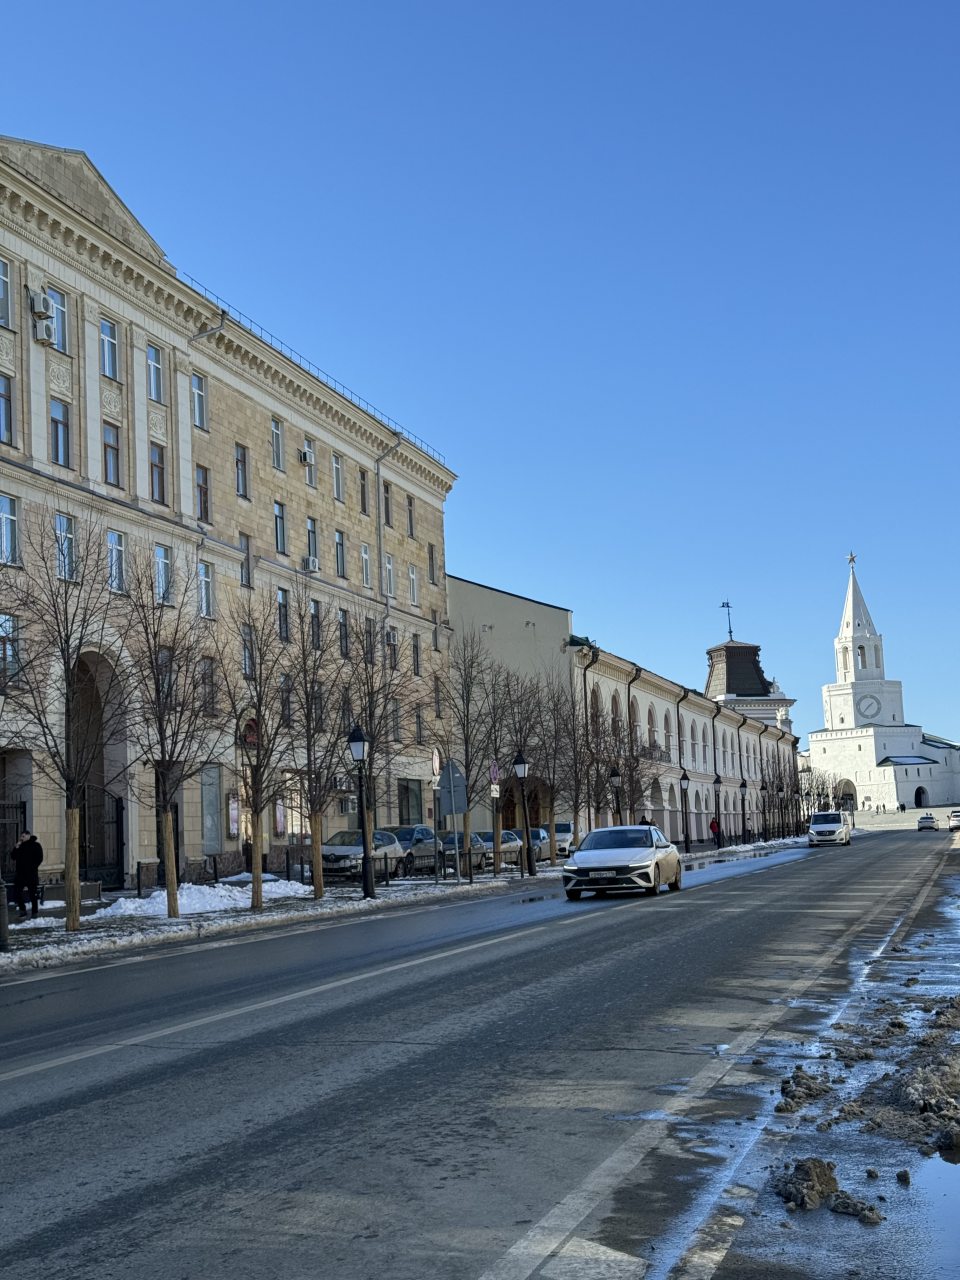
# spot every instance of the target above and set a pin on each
(861, 694)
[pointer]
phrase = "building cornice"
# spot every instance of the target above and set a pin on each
(36, 215)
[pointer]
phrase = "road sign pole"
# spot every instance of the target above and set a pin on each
(453, 814)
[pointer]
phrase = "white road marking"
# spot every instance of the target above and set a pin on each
(587, 1260)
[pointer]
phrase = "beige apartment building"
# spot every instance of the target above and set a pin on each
(131, 396)
(739, 769)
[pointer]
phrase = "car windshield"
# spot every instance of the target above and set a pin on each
(618, 838)
(343, 839)
(402, 833)
(825, 819)
(485, 835)
(380, 838)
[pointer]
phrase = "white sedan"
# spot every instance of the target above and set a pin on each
(640, 859)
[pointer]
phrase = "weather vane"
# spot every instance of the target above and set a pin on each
(851, 559)
(726, 605)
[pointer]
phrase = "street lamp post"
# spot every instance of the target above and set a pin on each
(781, 826)
(796, 811)
(520, 768)
(684, 788)
(358, 749)
(615, 784)
(717, 785)
(743, 809)
(763, 806)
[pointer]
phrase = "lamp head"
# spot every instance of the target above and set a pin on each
(520, 766)
(357, 744)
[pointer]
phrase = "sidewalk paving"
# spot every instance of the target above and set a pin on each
(126, 923)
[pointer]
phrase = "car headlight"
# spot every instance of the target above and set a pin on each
(570, 866)
(640, 866)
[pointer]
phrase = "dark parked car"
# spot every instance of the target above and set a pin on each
(539, 842)
(478, 850)
(420, 847)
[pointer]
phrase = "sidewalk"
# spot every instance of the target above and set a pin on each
(125, 922)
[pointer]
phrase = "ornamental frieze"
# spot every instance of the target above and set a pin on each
(60, 375)
(111, 400)
(157, 424)
(7, 351)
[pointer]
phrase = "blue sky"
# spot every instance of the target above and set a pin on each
(673, 286)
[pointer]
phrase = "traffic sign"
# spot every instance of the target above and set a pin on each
(436, 760)
(494, 790)
(453, 790)
(494, 771)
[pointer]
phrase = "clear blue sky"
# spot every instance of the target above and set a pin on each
(673, 286)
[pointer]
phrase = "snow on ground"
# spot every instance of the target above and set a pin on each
(128, 923)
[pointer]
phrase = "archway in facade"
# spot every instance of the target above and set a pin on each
(101, 756)
(673, 816)
(846, 795)
(920, 798)
(656, 804)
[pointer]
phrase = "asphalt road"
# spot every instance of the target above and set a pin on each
(488, 1090)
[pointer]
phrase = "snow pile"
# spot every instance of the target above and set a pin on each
(195, 899)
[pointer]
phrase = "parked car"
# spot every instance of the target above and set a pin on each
(510, 846)
(639, 859)
(343, 852)
(539, 841)
(420, 847)
(927, 822)
(832, 827)
(478, 851)
(564, 832)
(953, 822)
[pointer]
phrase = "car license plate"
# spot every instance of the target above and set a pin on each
(603, 875)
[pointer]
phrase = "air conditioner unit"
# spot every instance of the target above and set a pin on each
(311, 564)
(46, 332)
(41, 306)
(306, 457)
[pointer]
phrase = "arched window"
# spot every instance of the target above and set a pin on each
(861, 657)
(846, 658)
(723, 751)
(616, 721)
(705, 743)
(651, 728)
(681, 734)
(693, 743)
(667, 732)
(595, 711)
(876, 656)
(634, 725)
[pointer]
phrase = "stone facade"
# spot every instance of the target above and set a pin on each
(185, 427)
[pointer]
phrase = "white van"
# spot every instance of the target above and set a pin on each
(564, 832)
(832, 827)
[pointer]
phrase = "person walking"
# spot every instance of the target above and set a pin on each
(27, 855)
(715, 831)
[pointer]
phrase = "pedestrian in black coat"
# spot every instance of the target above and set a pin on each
(27, 854)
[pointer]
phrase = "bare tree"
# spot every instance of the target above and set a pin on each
(256, 665)
(178, 713)
(62, 653)
(551, 709)
(464, 731)
(495, 692)
(576, 753)
(314, 737)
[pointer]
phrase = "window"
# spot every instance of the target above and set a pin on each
(111, 454)
(283, 613)
(387, 507)
(9, 649)
(286, 701)
(210, 805)
(60, 433)
(343, 629)
(9, 551)
(312, 537)
(165, 671)
(315, 636)
(276, 443)
(346, 712)
(317, 709)
(203, 494)
(368, 641)
(205, 588)
(415, 653)
(247, 658)
(58, 301)
(436, 630)
(410, 517)
(437, 697)
(155, 374)
(66, 564)
(158, 473)
(109, 363)
(364, 564)
(414, 590)
(162, 574)
(115, 566)
(280, 528)
(309, 462)
(431, 562)
(364, 499)
(246, 561)
(5, 309)
(240, 462)
(392, 644)
(341, 553)
(390, 584)
(6, 409)
(395, 718)
(198, 400)
(337, 477)
(418, 724)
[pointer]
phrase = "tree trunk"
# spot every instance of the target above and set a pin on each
(466, 857)
(552, 828)
(71, 871)
(316, 852)
(170, 866)
(256, 862)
